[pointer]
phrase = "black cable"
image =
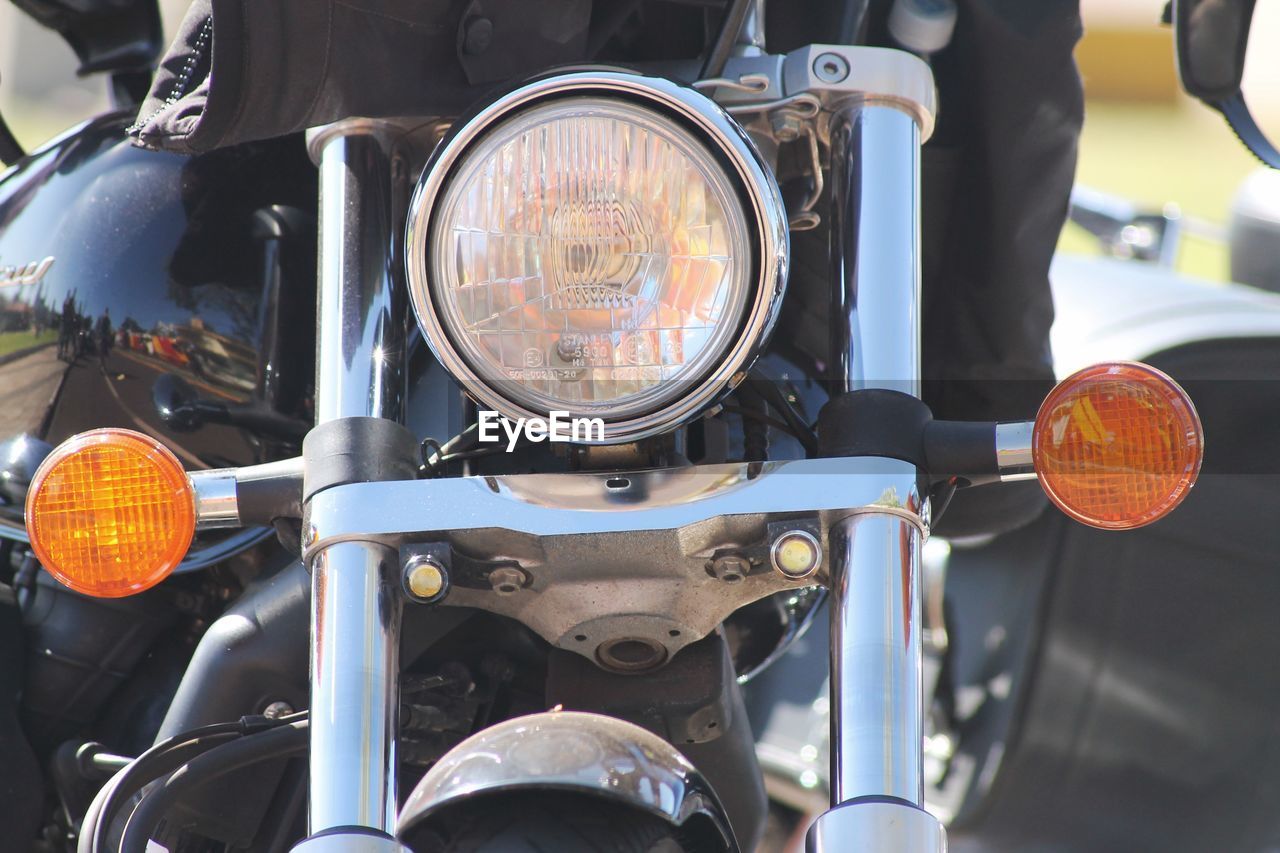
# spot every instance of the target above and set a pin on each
(768, 389)
(278, 742)
(473, 454)
(744, 412)
(160, 760)
(463, 446)
(942, 495)
(726, 38)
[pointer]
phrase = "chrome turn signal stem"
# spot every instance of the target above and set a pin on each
(1013, 451)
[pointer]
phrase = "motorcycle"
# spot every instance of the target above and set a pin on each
(302, 622)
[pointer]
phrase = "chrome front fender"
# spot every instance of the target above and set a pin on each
(575, 752)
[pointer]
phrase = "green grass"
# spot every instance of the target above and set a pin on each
(14, 341)
(1153, 154)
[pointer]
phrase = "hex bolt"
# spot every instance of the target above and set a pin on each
(831, 68)
(276, 710)
(507, 580)
(425, 578)
(787, 126)
(730, 568)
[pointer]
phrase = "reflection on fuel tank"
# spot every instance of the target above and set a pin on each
(120, 266)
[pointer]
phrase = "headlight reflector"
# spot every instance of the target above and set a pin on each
(590, 256)
(574, 248)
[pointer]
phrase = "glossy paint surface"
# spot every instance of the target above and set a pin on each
(165, 294)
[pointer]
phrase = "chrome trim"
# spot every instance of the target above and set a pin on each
(20, 458)
(355, 686)
(800, 85)
(1014, 457)
(360, 316)
(719, 130)
(876, 699)
(355, 598)
(875, 176)
(546, 506)
(215, 495)
(877, 76)
(876, 654)
(877, 703)
(23, 274)
(570, 751)
(319, 137)
(799, 610)
(607, 559)
(751, 39)
(349, 843)
(219, 491)
(887, 827)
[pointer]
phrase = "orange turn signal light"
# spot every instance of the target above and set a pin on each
(110, 513)
(1117, 445)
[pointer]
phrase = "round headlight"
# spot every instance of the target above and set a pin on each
(600, 244)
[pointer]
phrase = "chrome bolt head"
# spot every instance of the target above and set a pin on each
(831, 68)
(730, 568)
(796, 554)
(425, 578)
(507, 580)
(276, 710)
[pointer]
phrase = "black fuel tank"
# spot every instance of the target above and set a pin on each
(166, 294)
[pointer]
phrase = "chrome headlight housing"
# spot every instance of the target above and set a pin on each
(597, 243)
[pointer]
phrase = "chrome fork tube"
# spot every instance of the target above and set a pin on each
(355, 639)
(355, 617)
(877, 659)
(875, 175)
(876, 701)
(360, 314)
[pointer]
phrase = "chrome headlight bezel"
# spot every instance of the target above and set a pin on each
(756, 187)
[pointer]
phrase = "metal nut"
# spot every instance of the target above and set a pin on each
(730, 568)
(507, 580)
(425, 578)
(787, 126)
(831, 68)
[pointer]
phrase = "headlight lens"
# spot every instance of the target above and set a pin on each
(592, 257)
(597, 243)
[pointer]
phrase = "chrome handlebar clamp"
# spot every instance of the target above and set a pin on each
(803, 94)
